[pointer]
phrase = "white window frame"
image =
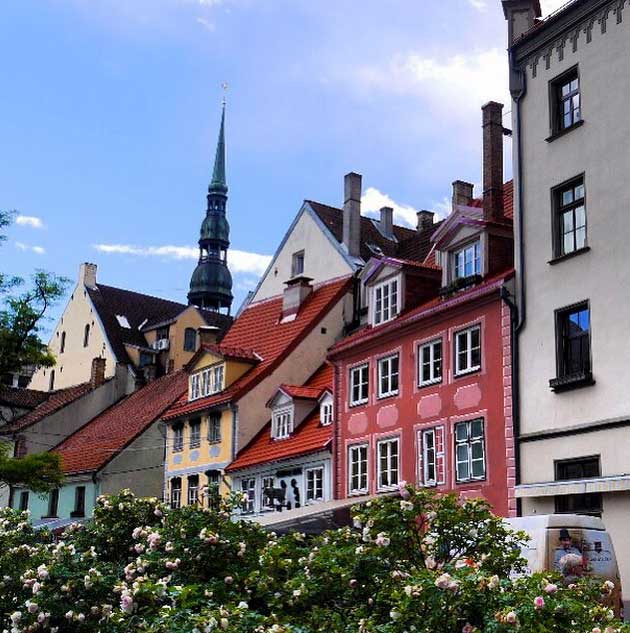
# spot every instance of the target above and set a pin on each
(263, 481)
(468, 444)
(195, 501)
(178, 437)
(282, 426)
(392, 474)
(423, 437)
(194, 387)
(363, 470)
(212, 437)
(364, 385)
(467, 334)
(385, 365)
(206, 382)
(248, 486)
(318, 482)
(297, 270)
(326, 411)
(386, 301)
(175, 494)
(477, 264)
(196, 442)
(433, 360)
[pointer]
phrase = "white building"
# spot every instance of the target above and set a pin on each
(570, 86)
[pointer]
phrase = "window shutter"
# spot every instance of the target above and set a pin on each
(440, 454)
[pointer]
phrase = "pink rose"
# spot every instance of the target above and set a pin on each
(468, 628)
(551, 588)
(228, 580)
(510, 618)
(539, 602)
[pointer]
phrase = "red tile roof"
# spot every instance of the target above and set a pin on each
(57, 400)
(429, 308)
(295, 391)
(508, 200)
(258, 328)
(236, 353)
(100, 440)
(309, 437)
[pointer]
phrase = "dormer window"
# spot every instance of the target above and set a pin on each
(326, 411)
(282, 423)
(206, 382)
(467, 261)
(386, 301)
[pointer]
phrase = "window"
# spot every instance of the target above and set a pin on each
(429, 458)
(206, 382)
(326, 412)
(358, 468)
(573, 333)
(268, 484)
(570, 218)
(282, 423)
(79, 502)
(386, 301)
(176, 493)
(430, 363)
(314, 485)
(565, 101)
(359, 382)
(214, 428)
(86, 335)
(24, 501)
(468, 351)
(468, 261)
(53, 503)
(51, 380)
(62, 347)
(178, 438)
(388, 376)
(193, 490)
(248, 486)
(387, 463)
(297, 264)
(579, 468)
(194, 387)
(195, 433)
(214, 478)
(190, 339)
(161, 333)
(470, 451)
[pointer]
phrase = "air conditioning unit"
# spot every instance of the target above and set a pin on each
(162, 344)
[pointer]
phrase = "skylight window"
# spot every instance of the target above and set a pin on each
(122, 321)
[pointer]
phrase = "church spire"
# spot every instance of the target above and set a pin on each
(211, 282)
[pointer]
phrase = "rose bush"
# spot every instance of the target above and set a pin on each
(414, 562)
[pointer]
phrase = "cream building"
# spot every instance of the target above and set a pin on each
(570, 83)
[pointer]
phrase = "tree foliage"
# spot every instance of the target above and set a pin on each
(418, 562)
(39, 472)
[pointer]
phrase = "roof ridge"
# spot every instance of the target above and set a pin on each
(141, 294)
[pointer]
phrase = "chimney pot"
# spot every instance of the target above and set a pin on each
(462, 193)
(87, 275)
(97, 375)
(296, 291)
(425, 219)
(492, 161)
(387, 220)
(352, 214)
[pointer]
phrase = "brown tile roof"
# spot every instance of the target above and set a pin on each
(57, 400)
(309, 437)
(409, 243)
(139, 310)
(296, 391)
(508, 200)
(258, 328)
(105, 436)
(21, 398)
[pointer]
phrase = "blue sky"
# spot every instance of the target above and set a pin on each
(109, 112)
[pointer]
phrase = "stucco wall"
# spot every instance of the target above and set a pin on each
(322, 260)
(599, 149)
(75, 364)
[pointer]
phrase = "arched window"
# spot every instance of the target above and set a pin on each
(63, 343)
(190, 339)
(86, 335)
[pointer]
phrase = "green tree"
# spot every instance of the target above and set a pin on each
(23, 309)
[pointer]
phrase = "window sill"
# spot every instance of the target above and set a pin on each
(214, 441)
(555, 135)
(352, 405)
(49, 516)
(77, 515)
(561, 258)
(357, 493)
(385, 396)
(468, 372)
(464, 482)
(572, 381)
(430, 383)
(194, 447)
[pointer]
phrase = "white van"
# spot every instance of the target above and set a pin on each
(553, 536)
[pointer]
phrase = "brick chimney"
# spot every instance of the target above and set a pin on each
(87, 275)
(462, 193)
(97, 375)
(208, 334)
(521, 15)
(352, 214)
(425, 219)
(296, 291)
(387, 220)
(492, 161)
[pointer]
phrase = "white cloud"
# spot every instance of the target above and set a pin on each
(479, 5)
(209, 26)
(238, 261)
(548, 6)
(373, 199)
(460, 83)
(29, 220)
(39, 250)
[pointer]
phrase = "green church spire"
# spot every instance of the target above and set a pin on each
(218, 183)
